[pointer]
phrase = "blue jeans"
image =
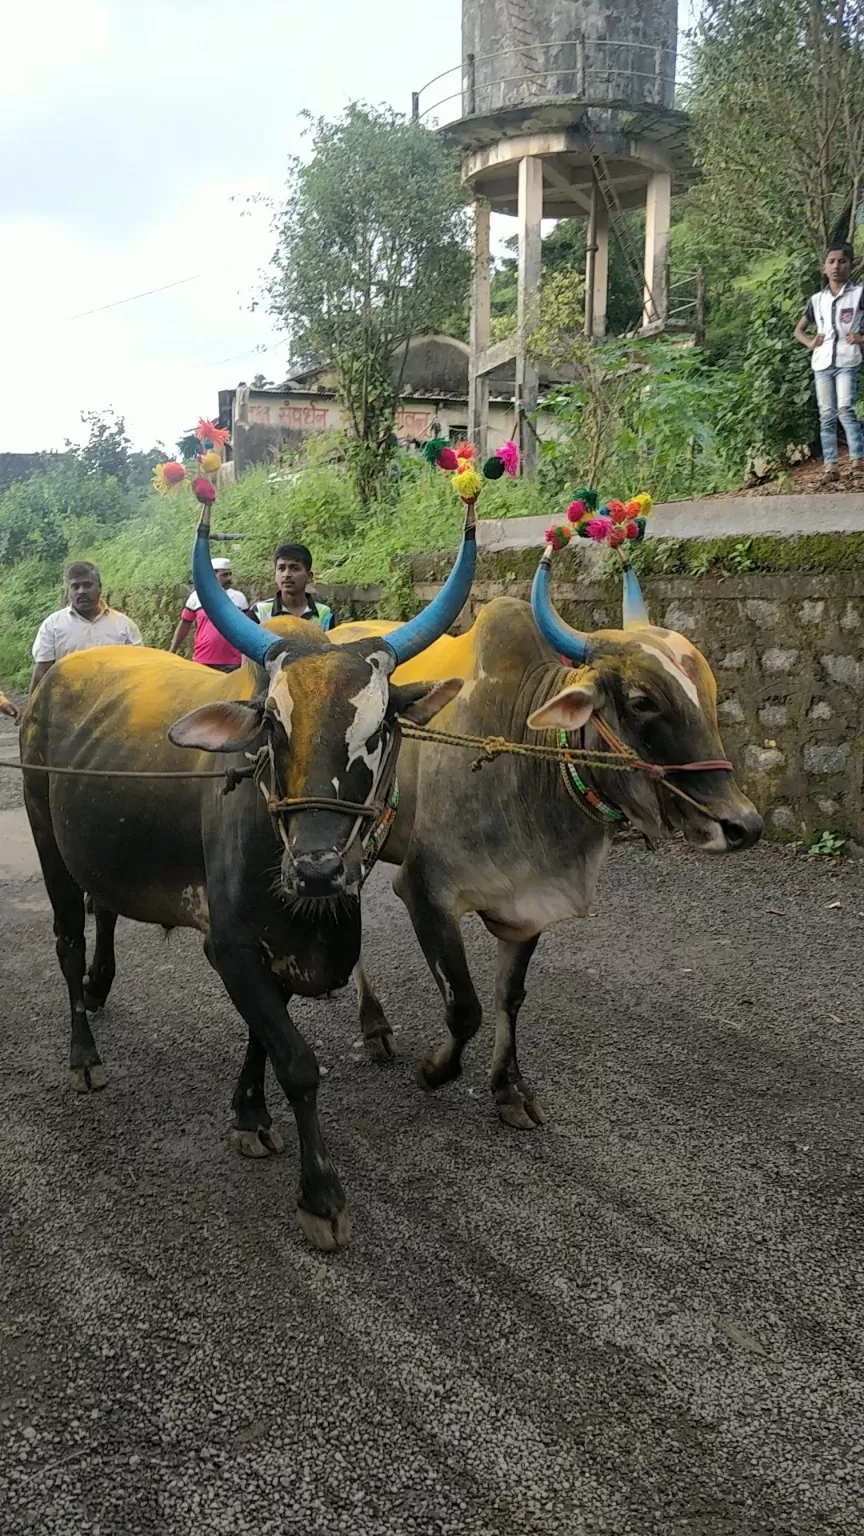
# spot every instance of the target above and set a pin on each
(835, 396)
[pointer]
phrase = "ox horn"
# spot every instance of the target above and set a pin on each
(566, 641)
(232, 625)
(419, 633)
(635, 611)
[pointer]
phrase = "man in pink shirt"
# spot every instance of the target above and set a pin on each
(209, 649)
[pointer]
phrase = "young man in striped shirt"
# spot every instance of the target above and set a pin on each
(293, 573)
(836, 312)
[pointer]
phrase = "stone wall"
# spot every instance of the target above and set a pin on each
(787, 651)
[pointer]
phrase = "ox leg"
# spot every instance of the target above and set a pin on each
(253, 1134)
(86, 1071)
(377, 1034)
(441, 941)
(100, 975)
(258, 998)
(515, 1100)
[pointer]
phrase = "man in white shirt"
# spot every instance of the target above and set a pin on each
(836, 313)
(84, 623)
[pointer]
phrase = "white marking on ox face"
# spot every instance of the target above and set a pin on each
(280, 693)
(370, 705)
(674, 671)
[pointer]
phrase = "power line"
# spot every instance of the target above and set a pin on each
(241, 356)
(133, 296)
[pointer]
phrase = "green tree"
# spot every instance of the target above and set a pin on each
(777, 99)
(106, 451)
(372, 249)
(64, 504)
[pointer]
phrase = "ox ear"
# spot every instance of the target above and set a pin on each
(419, 702)
(568, 711)
(225, 727)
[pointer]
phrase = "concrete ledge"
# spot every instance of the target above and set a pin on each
(725, 517)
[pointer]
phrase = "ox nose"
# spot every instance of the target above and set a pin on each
(320, 874)
(743, 829)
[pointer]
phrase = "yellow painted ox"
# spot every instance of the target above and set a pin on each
(269, 873)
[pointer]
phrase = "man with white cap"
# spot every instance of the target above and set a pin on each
(209, 648)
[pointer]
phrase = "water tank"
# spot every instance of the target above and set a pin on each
(599, 52)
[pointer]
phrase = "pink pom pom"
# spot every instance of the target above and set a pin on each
(598, 529)
(576, 511)
(508, 453)
(616, 535)
(632, 530)
(204, 491)
(447, 459)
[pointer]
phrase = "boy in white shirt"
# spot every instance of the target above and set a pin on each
(836, 312)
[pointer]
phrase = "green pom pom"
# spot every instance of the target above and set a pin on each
(589, 497)
(493, 469)
(432, 449)
(640, 524)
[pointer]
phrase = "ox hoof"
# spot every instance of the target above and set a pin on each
(93, 1003)
(520, 1109)
(432, 1074)
(258, 1143)
(326, 1233)
(88, 1079)
(381, 1045)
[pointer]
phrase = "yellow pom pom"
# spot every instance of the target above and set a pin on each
(467, 483)
(210, 462)
(646, 502)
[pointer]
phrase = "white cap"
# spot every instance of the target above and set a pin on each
(221, 564)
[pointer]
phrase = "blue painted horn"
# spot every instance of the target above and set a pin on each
(634, 608)
(404, 643)
(435, 620)
(566, 641)
(232, 625)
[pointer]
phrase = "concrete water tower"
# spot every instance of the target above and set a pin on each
(567, 110)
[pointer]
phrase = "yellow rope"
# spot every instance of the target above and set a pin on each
(496, 746)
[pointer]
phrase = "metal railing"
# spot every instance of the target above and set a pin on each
(598, 71)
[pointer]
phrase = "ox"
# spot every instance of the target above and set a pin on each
(270, 873)
(522, 841)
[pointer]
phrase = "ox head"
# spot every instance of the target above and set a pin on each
(326, 717)
(656, 692)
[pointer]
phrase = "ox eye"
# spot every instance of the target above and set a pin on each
(642, 705)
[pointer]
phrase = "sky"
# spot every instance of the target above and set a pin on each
(133, 135)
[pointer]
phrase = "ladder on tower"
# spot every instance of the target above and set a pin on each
(621, 229)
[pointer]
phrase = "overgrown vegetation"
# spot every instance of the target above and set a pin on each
(143, 550)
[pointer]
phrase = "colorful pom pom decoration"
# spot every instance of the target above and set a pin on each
(210, 461)
(459, 462)
(432, 449)
(210, 435)
(166, 477)
(493, 469)
(617, 523)
(467, 483)
(204, 491)
(559, 535)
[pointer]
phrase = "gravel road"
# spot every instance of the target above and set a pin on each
(644, 1319)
